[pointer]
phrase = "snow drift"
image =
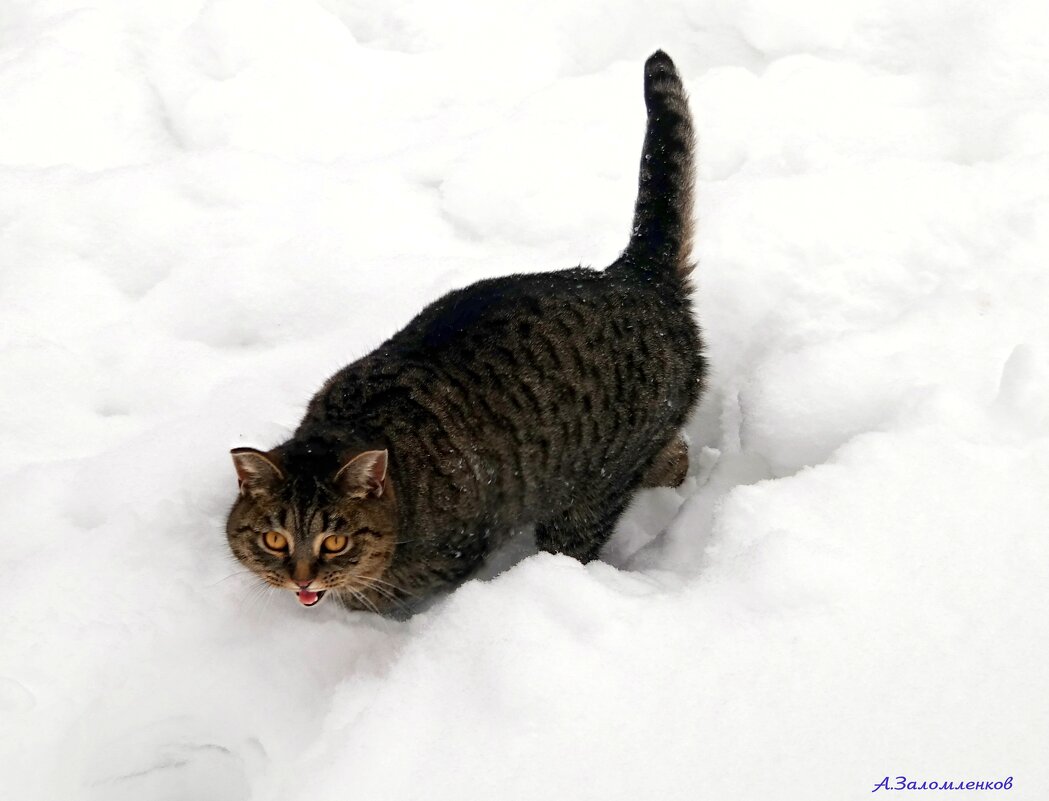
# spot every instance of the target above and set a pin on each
(208, 207)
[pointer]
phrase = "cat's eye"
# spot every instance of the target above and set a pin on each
(334, 543)
(275, 541)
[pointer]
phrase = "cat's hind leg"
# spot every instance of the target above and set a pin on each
(669, 466)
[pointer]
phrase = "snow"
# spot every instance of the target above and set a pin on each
(208, 207)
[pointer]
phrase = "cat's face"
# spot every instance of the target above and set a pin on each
(312, 535)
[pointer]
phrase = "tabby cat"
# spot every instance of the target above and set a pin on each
(545, 398)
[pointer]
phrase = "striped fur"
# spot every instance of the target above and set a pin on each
(662, 233)
(544, 398)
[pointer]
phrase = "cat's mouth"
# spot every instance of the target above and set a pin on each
(310, 598)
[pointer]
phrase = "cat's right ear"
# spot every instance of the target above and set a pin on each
(257, 472)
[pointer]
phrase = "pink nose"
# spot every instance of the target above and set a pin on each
(304, 584)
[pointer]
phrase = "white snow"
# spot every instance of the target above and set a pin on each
(208, 207)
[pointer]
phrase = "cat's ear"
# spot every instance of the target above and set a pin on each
(364, 475)
(256, 471)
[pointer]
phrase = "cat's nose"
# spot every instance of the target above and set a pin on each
(302, 574)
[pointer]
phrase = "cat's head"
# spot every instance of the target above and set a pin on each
(312, 529)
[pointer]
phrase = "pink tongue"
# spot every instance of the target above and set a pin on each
(307, 598)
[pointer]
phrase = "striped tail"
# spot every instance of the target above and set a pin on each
(662, 236)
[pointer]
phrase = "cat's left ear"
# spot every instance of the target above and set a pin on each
(364, 475)
(256, 471)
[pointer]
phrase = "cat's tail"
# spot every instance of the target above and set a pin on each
(661, 240)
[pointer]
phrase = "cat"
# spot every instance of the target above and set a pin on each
(545, 399)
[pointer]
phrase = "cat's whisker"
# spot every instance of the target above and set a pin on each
(253, 589)
(227, 578)
(364, 600)
(392, 585)
(271, 593)
(337, 599)
(390, 596)
(384, 593)
(255, 598)
(368, 584)
(382, 621)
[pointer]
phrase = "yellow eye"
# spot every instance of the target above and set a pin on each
(275, 541)
(334, 543)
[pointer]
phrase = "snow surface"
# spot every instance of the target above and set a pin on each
(207, 208)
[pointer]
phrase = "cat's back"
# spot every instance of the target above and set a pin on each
(532, 351)
(564, 313)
